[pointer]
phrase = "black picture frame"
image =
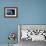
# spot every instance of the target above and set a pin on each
(10, 12)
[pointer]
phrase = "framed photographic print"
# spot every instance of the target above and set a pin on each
(10, 12)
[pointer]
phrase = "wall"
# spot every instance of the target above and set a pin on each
(29, 12)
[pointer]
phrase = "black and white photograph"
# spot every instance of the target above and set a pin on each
(10, 11)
